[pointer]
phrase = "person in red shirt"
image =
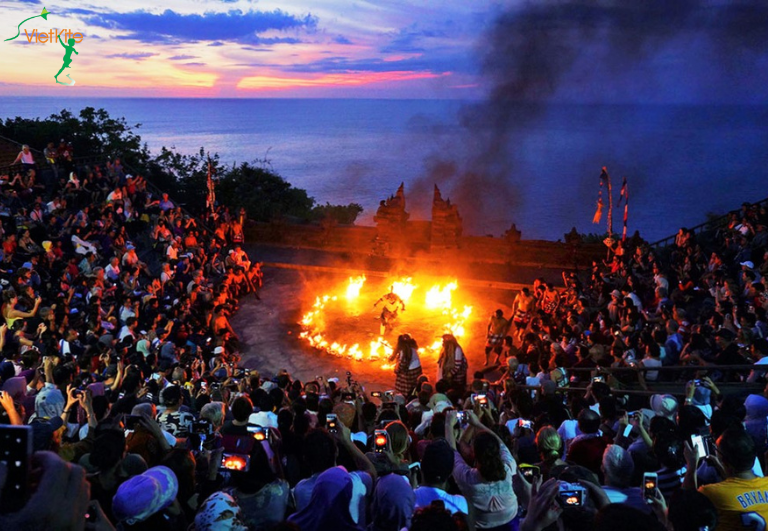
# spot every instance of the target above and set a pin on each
(587, 449)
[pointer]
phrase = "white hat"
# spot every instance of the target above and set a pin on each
(441, 406)
(664, 406)
(218, 350)
(749, 264)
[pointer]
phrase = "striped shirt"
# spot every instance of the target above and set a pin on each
(670, 481)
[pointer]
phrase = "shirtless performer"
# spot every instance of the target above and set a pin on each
(550, 300)
(522, 310)
(497, 329)
(392, 304)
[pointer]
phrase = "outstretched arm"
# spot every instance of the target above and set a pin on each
(61, 42)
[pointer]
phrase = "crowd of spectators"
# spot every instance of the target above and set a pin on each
(122, 371)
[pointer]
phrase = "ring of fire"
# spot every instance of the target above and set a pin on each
(435, 304)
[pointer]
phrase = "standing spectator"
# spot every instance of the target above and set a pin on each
(26, 158)
(260, 493)
(587, 449)
(488, 486)
(176, 422)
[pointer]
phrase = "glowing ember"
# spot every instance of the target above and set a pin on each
(437, 306)
(403, 288)
(439, 298)
(355, 285)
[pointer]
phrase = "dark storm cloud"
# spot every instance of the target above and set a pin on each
(413, 39)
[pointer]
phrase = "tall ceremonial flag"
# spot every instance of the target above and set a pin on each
(604, 179)
(210, 200)
(624, 195)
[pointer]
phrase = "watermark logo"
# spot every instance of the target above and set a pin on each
(52, 37)
(43, 14)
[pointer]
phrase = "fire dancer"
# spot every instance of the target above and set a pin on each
(392, 304)
(497, 329)
(407, 365)
(522, 309)
(452, 363)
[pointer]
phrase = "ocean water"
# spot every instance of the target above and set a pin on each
(681, 162)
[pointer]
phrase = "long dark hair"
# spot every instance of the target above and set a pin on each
(488, 456)
(259, 474)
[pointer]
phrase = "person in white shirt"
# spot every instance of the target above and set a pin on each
(113, 269)
(759, 351)
(167, 273)
(129, 309)
(172, 253)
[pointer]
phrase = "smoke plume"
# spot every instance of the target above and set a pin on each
(542, 54)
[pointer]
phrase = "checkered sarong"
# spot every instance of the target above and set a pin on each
(494, 340)
(405, 382)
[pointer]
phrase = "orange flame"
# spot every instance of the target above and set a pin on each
(404, 288)
(439, 297)
(438, 301)
(354, 287)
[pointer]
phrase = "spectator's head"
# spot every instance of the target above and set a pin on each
(108, 449)
(617, 466)
(214, 413)
(330, 502)
(242, 408)
(549, 443)
(488, 457)
(724, 337)
(690, 420)
(664, 406)
(398, 437)
(442, 386)
(690, 510)
(393, 503)
(437, 462)
(220, 511)
(737, 450)
(589, 421)
(722, 421)
(319, 450)
(145, 495)
(171, 396)
(659, 425)
(259, 473)
(145, 408)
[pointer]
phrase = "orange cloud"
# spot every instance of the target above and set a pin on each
(331, 80)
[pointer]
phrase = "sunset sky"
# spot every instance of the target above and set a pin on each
(215, 48)
(585, 50)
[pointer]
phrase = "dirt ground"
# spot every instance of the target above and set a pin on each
(269, 328)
